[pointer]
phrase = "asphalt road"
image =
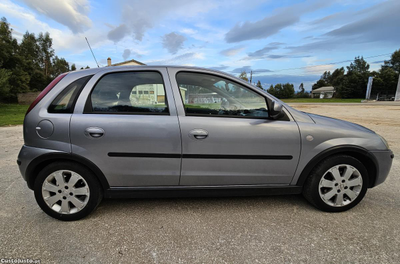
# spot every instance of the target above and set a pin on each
(274, 229)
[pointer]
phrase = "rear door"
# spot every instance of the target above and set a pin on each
(125, 122)
(227, 136)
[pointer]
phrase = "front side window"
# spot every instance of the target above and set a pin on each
(204, 94)
(130, 92)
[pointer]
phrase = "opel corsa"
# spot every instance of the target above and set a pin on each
(149, 131)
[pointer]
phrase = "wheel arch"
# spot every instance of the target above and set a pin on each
(363, 155)
(40, 162)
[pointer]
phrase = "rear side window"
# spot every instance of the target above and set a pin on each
(129, 92)
(65, 101)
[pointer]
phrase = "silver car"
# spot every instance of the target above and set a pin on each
(158, 131)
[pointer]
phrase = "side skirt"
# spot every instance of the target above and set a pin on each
(200, 191)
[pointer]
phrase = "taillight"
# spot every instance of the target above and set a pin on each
(45, 91)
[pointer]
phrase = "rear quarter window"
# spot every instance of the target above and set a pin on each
(66, 99)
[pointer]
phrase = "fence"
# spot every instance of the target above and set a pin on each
(27, 98)
(383, 95)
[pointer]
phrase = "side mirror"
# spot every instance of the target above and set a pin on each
(276, 110)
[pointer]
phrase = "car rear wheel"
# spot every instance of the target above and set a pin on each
(67, 191)
(336, 184)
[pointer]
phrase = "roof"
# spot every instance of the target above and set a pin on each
(136, 67)
(124, 62)
(324, 89)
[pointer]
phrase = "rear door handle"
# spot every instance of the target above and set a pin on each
(94, 132)
(198, 133)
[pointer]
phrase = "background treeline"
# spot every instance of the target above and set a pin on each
(27, 66)
(353, 82)
(349, 83)
(282, 91)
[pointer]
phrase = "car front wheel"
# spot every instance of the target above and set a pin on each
(336, 184)
(67, 191)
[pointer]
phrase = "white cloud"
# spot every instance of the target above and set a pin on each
(62, 40)
(118, 33)
(232, 51)
(140, 16)
(183, 59)
(70, 13)
(173, 42)
(188, 31)
(272, 24)
(126, 54)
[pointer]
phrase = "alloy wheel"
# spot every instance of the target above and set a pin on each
(65, 192)
(340, 185)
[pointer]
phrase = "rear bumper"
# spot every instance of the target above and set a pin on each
(384, 160)
(27, 155)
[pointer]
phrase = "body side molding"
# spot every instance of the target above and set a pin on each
(198, 156)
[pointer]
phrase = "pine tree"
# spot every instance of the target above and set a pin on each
(259, 85)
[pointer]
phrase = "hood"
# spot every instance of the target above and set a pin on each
(328, 121)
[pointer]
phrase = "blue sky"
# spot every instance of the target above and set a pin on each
(281, 41)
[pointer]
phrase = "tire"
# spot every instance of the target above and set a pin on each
(330, 180)
(67, 191)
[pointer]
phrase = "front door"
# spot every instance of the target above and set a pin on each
(129, 128)
(227, 136)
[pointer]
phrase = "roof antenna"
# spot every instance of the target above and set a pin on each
(92, 52)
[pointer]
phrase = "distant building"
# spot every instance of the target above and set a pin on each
(125, 63)
(323, 92)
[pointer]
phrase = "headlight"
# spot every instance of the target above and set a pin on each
(384, 142)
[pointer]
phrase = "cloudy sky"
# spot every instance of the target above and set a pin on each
(280, 41)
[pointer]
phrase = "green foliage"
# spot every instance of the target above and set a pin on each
(282, 91)
(301, 88)
(243, 76)
(302, 92)
(259, 85)
(328, 79)
(46, 52)
(385, 80)
(353, 83)
(73, 67)
(394, 61)
(60, 65)
(28, 66)
(4, 83)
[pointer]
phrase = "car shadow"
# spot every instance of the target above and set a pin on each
(208, 204)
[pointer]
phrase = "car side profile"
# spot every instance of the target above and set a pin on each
(167, 131)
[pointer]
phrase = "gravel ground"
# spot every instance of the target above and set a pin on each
(275, 229)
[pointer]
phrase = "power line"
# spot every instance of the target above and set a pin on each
(92, 53)
(331, 63)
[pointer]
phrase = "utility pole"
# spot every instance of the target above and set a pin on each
(369, 88)
(251, 76)
(397, 96)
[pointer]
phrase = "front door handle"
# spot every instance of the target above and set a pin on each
(198, 133)
(94, 132)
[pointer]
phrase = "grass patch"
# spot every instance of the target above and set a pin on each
(317, 100)
(12, 114)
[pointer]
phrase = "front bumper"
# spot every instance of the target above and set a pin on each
(384, 159)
